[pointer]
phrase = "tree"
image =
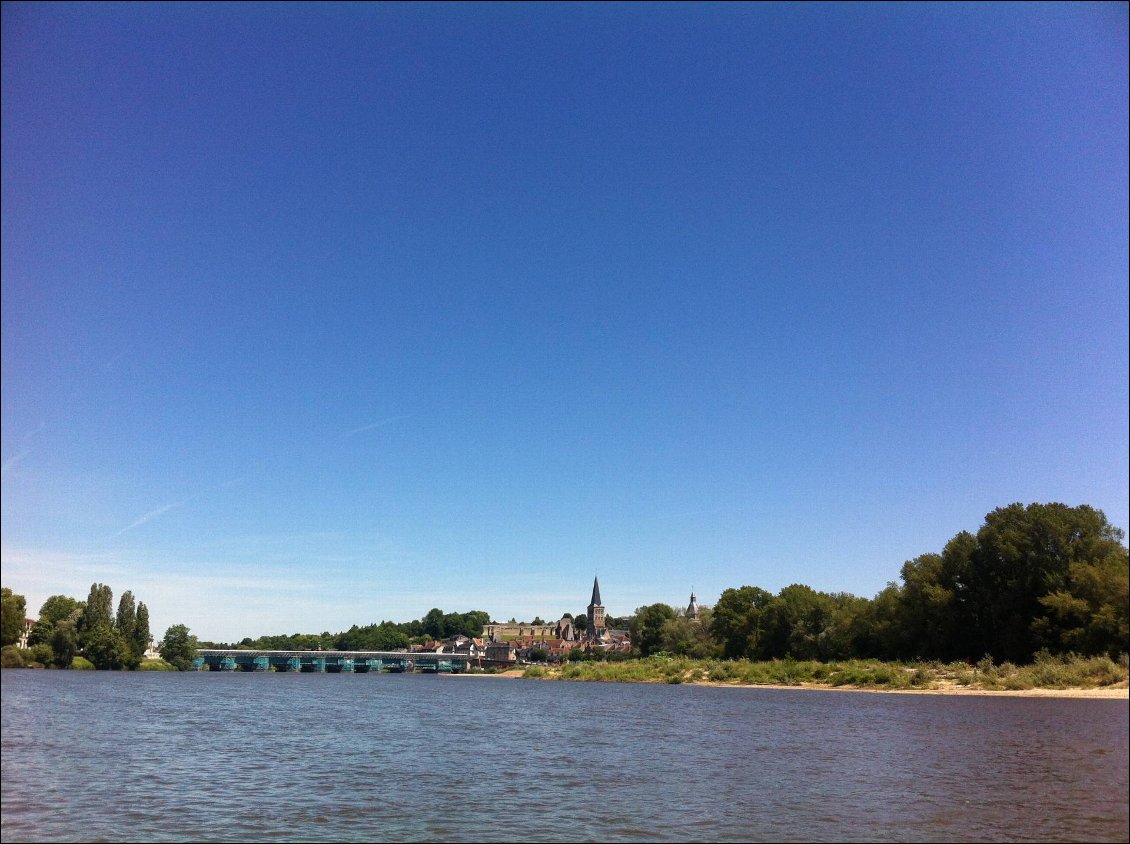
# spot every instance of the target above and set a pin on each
(433, 623)
(13, 612)
(106, 648)
(647, 627)
(139, 642)
(1025, 561)
(795, 622)
(96, 613)
(738, 622)
(688, 637)
(64, 643)
(581, 622)
(178, 648)
(125, 625)
(55, 609)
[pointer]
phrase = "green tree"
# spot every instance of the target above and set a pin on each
(1089, 615)
(106, 648)
(647, 627)
(41, 654)
(688, 637)
(125, 625)
(97, 613)
(581, 622)
(432, 623)
(64, 642)
(1023, 558)
(796, 619)
(738, 623)
(178, 648)
(13, 612)
(55, 609)
(139, 642)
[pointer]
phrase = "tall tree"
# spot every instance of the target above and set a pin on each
(1023, 558)
(141, 635)
(55, 609)
(125, 625)
(64, 642)
(739, 623)
(97, 612)
(647, 627)
(13, 612)
(127, 614)
(178, 648)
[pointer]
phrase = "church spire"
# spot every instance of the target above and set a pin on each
(596, 612)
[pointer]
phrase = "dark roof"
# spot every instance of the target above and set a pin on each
(595, 602)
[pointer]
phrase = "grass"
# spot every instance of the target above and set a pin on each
(1047, 672)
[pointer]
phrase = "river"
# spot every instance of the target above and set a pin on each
(148, 756)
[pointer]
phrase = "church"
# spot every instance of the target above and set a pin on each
(563, 630)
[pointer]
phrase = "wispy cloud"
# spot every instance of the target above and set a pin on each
(13, 460)
(23, 452)
(379, 424)
(152, 514)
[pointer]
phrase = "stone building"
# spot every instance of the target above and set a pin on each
(692, 609)
(596, 613)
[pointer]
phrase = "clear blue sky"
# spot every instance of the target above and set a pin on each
(318, 315)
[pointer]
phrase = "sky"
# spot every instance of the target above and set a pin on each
(319, 315)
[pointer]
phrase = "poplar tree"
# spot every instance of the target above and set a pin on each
(141, 633)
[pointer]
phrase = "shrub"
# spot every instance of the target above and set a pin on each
(10, 657)
(157, 665)
(81, 663)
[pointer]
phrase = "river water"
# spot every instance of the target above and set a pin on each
(147, 756)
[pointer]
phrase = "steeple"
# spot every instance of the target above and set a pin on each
(596, 612)
(692, 608)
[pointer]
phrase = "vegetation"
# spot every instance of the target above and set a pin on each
(1045, 578)
(178, 648)
(1043, 586)
(83, 634)
(1048, 671)
(385, 636)
(12, 614)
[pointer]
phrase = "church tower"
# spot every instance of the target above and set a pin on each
(692, 608)
(596, 611)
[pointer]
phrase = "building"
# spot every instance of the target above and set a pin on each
(692, 609)
(596, 613)
(25, 631)
(502, 632)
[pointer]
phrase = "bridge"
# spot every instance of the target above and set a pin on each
(332, 662)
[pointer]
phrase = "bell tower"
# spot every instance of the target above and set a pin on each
(596, 610)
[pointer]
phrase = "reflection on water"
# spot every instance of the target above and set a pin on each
(335, 757)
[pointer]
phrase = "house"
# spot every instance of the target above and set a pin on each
(501, 652)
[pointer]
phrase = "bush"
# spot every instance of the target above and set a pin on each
(157, 665)
(10, 657)
(81, 663)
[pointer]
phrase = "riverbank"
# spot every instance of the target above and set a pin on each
(1071, 677)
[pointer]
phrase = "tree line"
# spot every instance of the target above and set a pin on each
(68, 628)
(1042, 577)
(1037, 578)
(382, 636)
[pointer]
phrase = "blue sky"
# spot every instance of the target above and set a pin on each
(316, 315)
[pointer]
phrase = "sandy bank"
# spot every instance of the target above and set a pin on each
(939, 689)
